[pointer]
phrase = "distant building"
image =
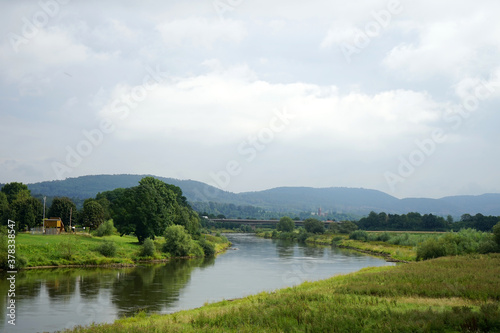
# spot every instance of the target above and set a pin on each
(53, 226)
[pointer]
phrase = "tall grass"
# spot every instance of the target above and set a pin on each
(404, 298)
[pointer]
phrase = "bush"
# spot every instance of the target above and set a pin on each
(195, 249)
(177, 241)
(314, 226)
(303, 235)
(285, 224)
(347, 227)
(105, 229)
(430, 249)
(336, 239)
(148, 248)
(496, 233)
(107, 249)
(383, 237)
(359, 235)
(208, 247)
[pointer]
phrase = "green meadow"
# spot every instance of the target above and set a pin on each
(448, 294)
(86, 250)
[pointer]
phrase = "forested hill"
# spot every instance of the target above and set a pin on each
(284, 199)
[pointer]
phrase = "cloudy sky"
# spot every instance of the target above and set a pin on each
(399, 96)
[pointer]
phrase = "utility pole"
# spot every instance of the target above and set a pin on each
(44, 201)
(70, 213)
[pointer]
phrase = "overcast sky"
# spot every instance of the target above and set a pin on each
(399, 96)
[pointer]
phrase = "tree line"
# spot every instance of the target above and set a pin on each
(144, 211)
(427, 222)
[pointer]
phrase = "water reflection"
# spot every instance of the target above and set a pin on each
(54, 299)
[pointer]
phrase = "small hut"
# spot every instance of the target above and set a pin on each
(53, 226)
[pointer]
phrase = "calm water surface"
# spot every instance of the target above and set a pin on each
(54, 299)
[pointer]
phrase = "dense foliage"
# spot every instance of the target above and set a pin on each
(148, 209)
(285, 224)
(314, 226)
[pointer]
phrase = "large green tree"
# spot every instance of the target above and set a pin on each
(15, 191)
(63, 207)
(27, 213)
(285, 224)
(314, 226)
(4, 209)
(145, 210)
(92, 214)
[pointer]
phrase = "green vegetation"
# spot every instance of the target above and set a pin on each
(451, 294)
(105, 229)
(314, 226)
(285, 224)
(178, 242)
(84, 249)
(148, 248)
(466, 241)
(427, 222)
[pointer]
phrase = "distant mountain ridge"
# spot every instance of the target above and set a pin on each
(284, 199)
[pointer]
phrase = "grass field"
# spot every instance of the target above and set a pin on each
(450, 294)
(81, 249)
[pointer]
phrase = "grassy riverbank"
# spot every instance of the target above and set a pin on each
(450, 294)
(379, 248)
(83, 249)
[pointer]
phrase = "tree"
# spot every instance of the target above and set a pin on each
(285, 224)
(64, 208)
(4, 209)
(177, 241)
(314, 226)
(27, 212)
(92, 214)
(15, 191)
(496, 233)
(347, 227)
(145, 210)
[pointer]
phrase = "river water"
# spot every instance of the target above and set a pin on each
(54, 299)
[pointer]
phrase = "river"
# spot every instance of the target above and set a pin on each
(54, 299)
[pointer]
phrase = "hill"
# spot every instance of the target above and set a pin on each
(357, 201)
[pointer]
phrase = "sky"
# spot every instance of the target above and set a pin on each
(399, 96)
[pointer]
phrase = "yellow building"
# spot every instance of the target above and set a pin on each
(54, 225)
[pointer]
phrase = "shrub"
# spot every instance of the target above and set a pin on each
(336, 239)
(347, 227)
(105, 229)
(496, 233)
(208, 247)
(107, 249)
(195, 249)
(383, 237)
(177, 241)
(148, 248)
(303, 235)
(430, 249)
(285, 224)
(359, 235)
(314, 226)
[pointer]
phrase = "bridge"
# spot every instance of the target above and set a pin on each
(254, 223)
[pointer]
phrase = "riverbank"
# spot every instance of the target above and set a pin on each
(445, 294)
(82, 250)
(390, 252)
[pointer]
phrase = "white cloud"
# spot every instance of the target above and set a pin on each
(200, 32)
